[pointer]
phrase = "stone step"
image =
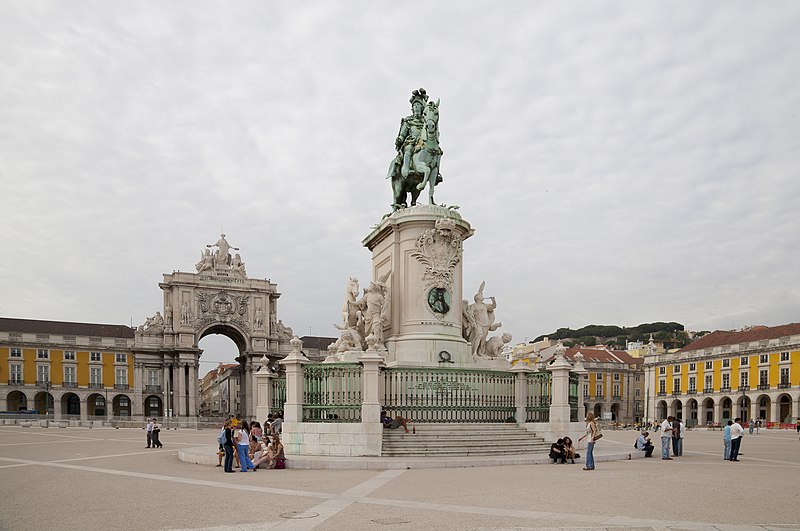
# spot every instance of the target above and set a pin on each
(523, 452)
(463, 440)
(471, 436)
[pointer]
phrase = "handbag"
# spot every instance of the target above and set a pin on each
(597, 437)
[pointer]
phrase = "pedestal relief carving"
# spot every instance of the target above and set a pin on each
(439, 249)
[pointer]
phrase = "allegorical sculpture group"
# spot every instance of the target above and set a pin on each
(221, 260)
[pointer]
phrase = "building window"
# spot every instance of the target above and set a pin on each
(69, 355)
(599, 390)
(744, 379)
(726, 363)
(676, 385)
(17, 352)
(662, 387)
(784, 375)
(638, 377)
(42, 374)
(599, 375)
(121, 358)
(638, 392)
(121, 377)
(95, 376)
(152, 377)
(676, 369)
(692, 367)
(709, 365)
(784, 356)
(726, 381)
(763, 377)
(16, 373)
(69, 374)
(662, 370)
(95, 356)
(744, 360)
(692, 384)
(764, 358)
(709, 383)
(42, 354)
(585, 390)
(616, 376)
(616, 390)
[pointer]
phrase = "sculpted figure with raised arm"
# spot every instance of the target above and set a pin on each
(483, 316)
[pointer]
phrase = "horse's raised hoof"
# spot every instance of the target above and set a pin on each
(421, 186)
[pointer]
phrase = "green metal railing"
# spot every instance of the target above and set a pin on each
(574, 382)
(449, 395)
(537, 404)
(332, 392)
(278, 394)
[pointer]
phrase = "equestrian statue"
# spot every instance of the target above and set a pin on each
(418, 153)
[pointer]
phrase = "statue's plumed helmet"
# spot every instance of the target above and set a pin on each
(418, 96)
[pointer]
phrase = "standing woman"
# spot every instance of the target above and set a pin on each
(243, 446)
(591, 433)
(228, 447)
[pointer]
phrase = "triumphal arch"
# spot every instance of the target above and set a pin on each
(218, 299)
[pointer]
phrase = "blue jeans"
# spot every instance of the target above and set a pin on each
(590, 455)
(244, 459)
(665, 446)
(677, 446)
(727, 454)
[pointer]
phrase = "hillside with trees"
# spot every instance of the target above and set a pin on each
(671, 334)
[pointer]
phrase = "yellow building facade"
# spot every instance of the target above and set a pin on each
(752, 374)
(66, 370)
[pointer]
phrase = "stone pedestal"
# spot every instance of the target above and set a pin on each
(293, 408)
(420, 248)
(263, 385)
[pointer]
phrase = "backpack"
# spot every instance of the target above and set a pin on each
(222, 439)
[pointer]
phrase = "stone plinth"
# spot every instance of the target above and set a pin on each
(420, 248)
(422, 255)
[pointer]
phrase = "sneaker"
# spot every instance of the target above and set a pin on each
(666, 459)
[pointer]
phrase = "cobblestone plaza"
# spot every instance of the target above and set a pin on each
(107, 479)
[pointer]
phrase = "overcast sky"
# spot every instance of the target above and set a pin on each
(621, 162)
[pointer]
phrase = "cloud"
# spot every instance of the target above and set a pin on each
(620, 163)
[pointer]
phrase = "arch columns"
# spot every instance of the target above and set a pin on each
(774, 410)
(56, 408)
(192, 384)
(718, 411)
(84, 409)
(181, 390)
(137, 408)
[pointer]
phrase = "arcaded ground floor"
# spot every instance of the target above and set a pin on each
(77, 478)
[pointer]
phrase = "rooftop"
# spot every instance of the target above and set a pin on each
(32, 326)
(719, 338)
